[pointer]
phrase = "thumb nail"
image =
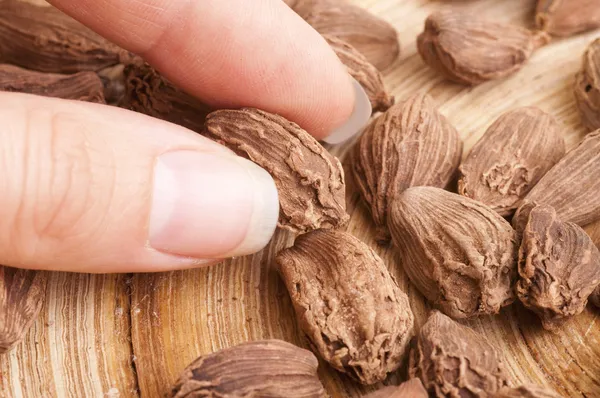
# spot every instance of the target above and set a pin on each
(357, 120)
(209, 205)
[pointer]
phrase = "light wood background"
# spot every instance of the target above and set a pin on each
(131, 335)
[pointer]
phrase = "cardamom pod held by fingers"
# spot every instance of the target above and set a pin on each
(309, 180)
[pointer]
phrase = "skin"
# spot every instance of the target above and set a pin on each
(76, 197)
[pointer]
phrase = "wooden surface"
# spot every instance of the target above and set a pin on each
(129, 336)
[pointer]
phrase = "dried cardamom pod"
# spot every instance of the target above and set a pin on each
(587, 87)
(373, 37)
(595, 297)
(269, 368)
(310, 180)
(347, 303)
(470, 50)
(44, 39)
(363, 72)
(21, 298)
(409, 389)
(148, 92)
(567, 17)
(526, 391)
(513, 155)
(571, 187)
(83, 86)
(459, 253)
(453, 361)
(411, 144)
(559, 267)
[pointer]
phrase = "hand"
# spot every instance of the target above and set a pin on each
(93, 188)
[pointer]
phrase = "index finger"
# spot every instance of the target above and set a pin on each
(235, 53)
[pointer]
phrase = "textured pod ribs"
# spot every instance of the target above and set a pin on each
(513, 155)
(44, 39)
(526, 391)
(310, 180)
(572, 186)
(269, 368)
(364, 72)
(412, 388)
(21, 298)
(587, 87)
(347, 303)
(375, 38)
(459, 253)
(567, 17)
(559, 267)
(148, 92)
(411, 144)
(83, 86)
(470, 50)
(453, 361)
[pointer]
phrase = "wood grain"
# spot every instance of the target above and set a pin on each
(81, 347)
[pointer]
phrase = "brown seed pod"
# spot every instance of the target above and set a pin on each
(526, 391)
(363, 72)
(513, 155)
(559, 267)
(375, 38)
(453, 361)
(571, 187)
(83, 86)
(412, 388)
(459, 253)
(21, 298)
(148, 92)
(567, 17)
(347, 303)
(411, 144)
(44, 39)
(587, 87)
(310, 180)
(269, 368)
(470, 50)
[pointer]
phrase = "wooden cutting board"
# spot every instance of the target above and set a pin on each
(131, 335)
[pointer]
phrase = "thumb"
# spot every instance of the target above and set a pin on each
(91, 188)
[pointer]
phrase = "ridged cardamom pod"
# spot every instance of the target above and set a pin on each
(459, 253)
(375, 38)
(571, 187)
(148, 92)
(21, 298)
(587, 87)
(268, 368)
(512, 156)
(347, 304)
(363, 72)
(559, 267)
(411, 144)
(469, 49)
(44, 39)
(83, 86)
(567, 17)
(309, 180)
(453, 361)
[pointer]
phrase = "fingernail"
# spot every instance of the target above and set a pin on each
(211, 205)
(357, 121)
